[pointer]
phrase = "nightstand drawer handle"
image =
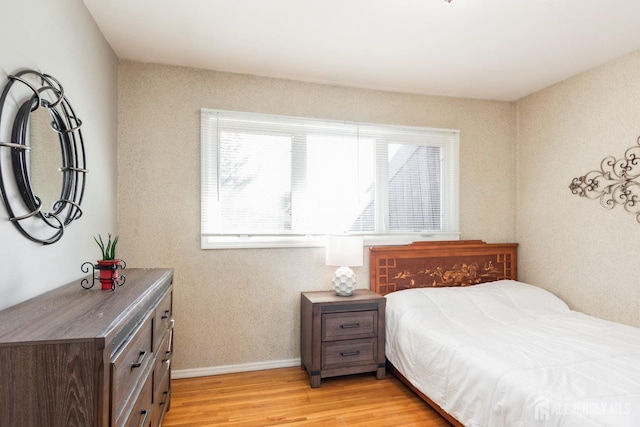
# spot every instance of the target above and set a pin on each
(349, 353)
(350, 325)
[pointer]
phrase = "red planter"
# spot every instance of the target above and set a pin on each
(108, 273)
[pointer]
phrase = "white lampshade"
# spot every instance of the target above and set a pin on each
(344, 252)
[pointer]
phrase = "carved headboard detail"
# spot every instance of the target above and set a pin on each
(440, 264)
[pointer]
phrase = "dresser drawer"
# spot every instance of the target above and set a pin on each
(162, 320)
(141, 414)
(163, 357)
(161, 397)
(340, 354)
(128, 366)
(346, 326)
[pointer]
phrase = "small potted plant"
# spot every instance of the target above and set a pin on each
(108, 265)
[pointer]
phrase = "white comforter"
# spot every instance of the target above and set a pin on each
(510, 354)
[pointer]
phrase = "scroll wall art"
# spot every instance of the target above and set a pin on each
(617, 182)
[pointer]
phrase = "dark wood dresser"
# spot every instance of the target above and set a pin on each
(342, 335)
(78, 357)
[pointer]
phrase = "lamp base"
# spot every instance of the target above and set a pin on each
(344, 281)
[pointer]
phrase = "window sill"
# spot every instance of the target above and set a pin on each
(315, 241)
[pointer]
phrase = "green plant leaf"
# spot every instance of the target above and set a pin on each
(109, 250)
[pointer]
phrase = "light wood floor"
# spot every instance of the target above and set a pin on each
(283, 397)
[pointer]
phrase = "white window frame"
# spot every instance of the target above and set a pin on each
(450, 202)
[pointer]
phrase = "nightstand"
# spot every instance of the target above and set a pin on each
(342, 335)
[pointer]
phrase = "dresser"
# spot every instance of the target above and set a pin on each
(89, 357)
(342, 335)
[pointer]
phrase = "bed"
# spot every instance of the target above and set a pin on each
(487, 350)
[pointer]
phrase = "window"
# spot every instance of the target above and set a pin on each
(271, 181)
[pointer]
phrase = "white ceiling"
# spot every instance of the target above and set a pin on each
(489, 49)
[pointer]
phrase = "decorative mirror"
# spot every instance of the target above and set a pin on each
(42, 159)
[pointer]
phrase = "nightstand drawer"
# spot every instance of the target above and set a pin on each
(341, 335)
(346, 326)
(339, 354)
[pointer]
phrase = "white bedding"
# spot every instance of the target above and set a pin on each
(510, 354)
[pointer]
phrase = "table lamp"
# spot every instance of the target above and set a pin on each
(344, 252)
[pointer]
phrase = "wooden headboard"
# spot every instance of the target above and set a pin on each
(440, 264)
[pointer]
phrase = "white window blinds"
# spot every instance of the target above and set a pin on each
(266, 175)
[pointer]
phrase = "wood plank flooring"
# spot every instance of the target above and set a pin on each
(282, 397)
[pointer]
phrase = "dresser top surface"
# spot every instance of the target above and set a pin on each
(73, 313)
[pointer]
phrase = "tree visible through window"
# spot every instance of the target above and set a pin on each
(281, 177)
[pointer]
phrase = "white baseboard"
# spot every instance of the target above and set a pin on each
(232, 369)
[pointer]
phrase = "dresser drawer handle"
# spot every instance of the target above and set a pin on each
(349, 353)
(140, 359)
(144, 419)
(350, 325)
(164, 398)
(166, 314)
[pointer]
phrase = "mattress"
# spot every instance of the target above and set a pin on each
(507, 353)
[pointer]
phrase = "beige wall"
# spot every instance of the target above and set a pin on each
(60, 38)
(241, 306)
(237, 307)
(587, 255)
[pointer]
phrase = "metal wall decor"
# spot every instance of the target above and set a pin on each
(25, 93)
(108, 276)
(616, 183)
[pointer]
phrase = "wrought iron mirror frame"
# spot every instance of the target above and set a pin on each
(616, 183)
(45, 92)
